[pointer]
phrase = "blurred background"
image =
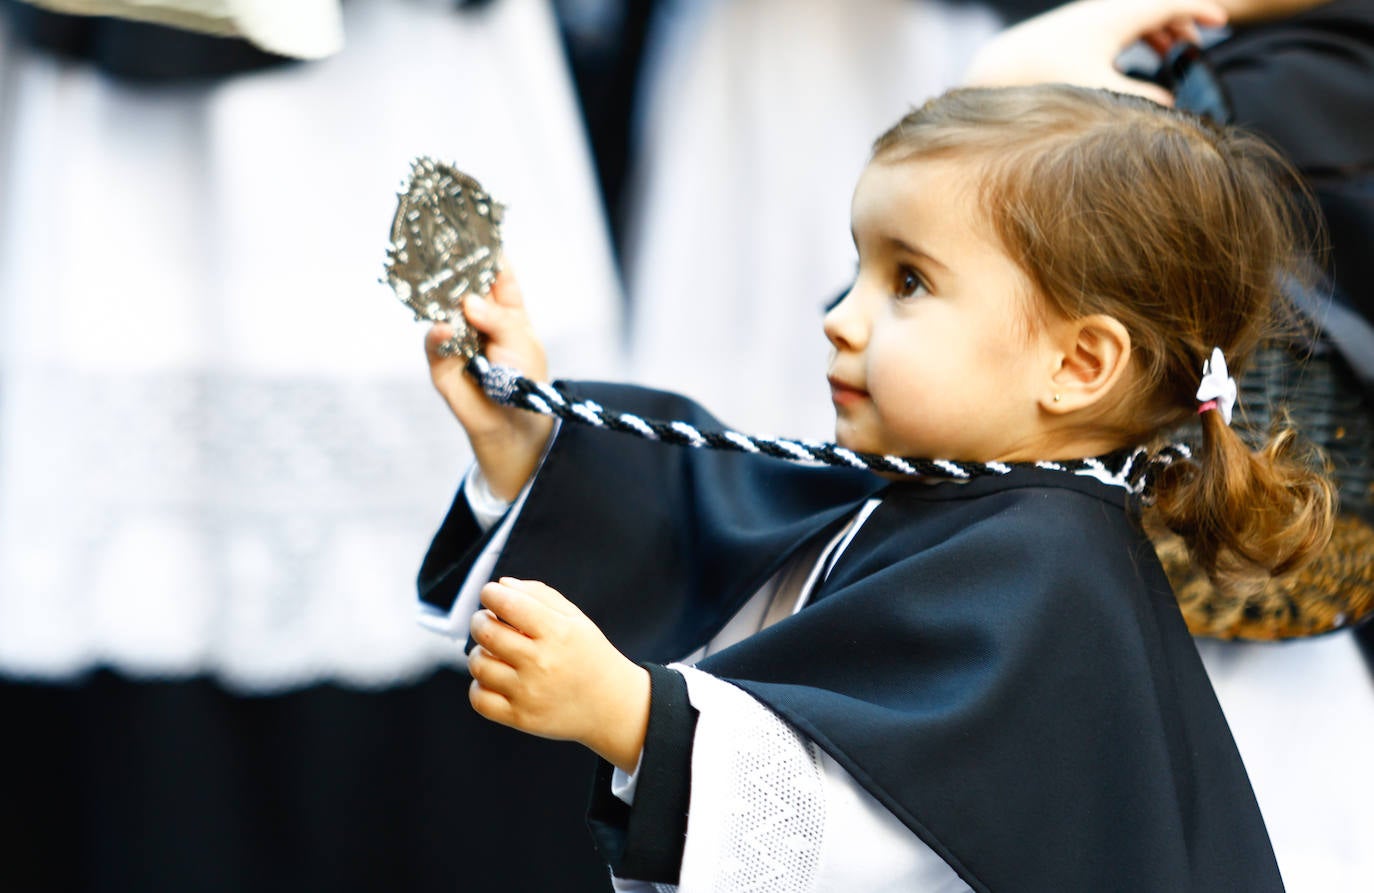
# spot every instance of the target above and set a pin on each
(221, 459)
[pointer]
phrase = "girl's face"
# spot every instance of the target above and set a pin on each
(935, 352)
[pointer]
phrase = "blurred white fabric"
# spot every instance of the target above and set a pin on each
(1302, 713)
(219, 448)
(305, 29)
(760, 117)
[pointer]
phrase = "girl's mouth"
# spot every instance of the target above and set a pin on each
(842, 394)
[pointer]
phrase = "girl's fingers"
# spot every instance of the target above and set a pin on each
(505, 291)
(438, 333)
(518, 609)
(490, 704)
(485, 316)
(500, 639)
(492, 673)
(544, 594)
(502, 323)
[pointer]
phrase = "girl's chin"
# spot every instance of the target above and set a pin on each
(846, 437)
(856, 442)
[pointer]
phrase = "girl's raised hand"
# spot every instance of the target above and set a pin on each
(541, 666)
(507, 442)
(1078, 43)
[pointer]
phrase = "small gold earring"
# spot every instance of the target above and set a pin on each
(1056, 398)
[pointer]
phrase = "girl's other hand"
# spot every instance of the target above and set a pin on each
(507, 442)
(1078, 43)
(541, 666)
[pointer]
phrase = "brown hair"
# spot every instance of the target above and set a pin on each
(1185, 233)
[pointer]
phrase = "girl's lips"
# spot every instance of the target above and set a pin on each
(842, 394)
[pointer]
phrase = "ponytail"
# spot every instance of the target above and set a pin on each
(1246, 514)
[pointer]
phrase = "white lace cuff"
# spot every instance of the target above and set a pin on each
(757, 818)
(772, 813)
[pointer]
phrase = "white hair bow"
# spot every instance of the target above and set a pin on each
(1218, 388)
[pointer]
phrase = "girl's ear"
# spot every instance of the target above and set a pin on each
(1093, 354)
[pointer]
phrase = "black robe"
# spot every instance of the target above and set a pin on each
(1001, 663)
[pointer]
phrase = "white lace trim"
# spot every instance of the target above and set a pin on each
(262, 530)
(758, 817)
(770, 811)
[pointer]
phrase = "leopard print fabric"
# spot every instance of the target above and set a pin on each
(1333, 592)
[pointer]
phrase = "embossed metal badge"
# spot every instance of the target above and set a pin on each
(445, 245)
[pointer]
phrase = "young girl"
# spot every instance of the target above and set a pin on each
(974, 683)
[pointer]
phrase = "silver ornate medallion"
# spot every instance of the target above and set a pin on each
(445, 245)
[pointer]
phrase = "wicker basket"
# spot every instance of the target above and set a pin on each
(1324, 402)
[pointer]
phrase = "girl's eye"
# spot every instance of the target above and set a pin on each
(909, 282)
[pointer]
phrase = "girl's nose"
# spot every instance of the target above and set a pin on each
(844, 324)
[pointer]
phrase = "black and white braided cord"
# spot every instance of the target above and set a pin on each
(1132, 470)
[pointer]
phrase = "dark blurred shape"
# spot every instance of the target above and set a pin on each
(135, 51)
(117, 785)
(1186, 73)
(1307, 83)
(604, 42)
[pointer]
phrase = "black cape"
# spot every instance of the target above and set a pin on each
(1001, 663)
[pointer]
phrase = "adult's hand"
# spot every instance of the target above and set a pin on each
(1078, 43)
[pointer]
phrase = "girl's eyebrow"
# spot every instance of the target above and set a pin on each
(907, 248)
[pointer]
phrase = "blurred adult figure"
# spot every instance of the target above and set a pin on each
(220, 461)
